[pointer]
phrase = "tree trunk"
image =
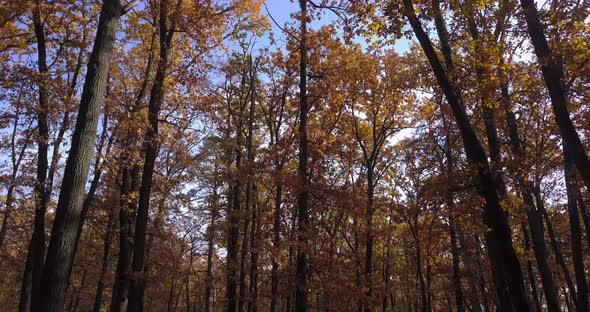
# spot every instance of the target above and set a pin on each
(459, 296)
(529, 266)
(584, 214)
(274, 275)
(552, 69)
(210, 249)
(534, 221)
(234, 211)
(108, 239)
(369, 238)
(152, 146)
(65, 228)
(301, 271)
(120, 296)
(581, 301)
(253, 302)
(555, 244)
(499, 241)
(37, 245)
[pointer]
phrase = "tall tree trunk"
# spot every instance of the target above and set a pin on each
(108, 239)
(455, 259)
(129, 187)
(529, 266)
(37, 245)
(251, 197)
(459, 296)
(245, 249)
(369, 238)
(211, 247)
(60, 253)
(552, 69)
(475, 298)
(152, 146)
(234, 210)
(274, 275)
(584, 214)
(253, 302)
(499, 239)
(571, 185)
(555, 244)
(534, 219)
(301, 270)
(120, 294)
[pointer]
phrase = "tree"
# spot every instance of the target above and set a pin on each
(60, 252)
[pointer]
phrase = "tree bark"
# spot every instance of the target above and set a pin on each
(301, 270)
(37, 245)
(502, 253)
(534, 220)
(65, 228)
(552, 69)
(152, 146)
(108, 239)
(571, 185)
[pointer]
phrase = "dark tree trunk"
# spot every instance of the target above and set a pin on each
(151, 147)
(581, 301)
(552, 69)
(129, 184)
(301, 270)
(37, 245)
(276, 246)
(369, 238)
(120, 295)
(251, 197)
(555, 244)
(108, 239)
(60, 253)
(534, 219)
(253, 302)
(459, 296)
(529, 266)
(211, 246)
(474, 296)
(502, 254)
(584, 214)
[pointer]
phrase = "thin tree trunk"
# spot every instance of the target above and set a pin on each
(301, 270)
(234, 213)
(581, 301)
(459, 296)
(120, 295)
(555, 244)
(253, 302)
(210, 248)
(276, 246)
(529, 266)
(251, 198)
(37, 246)
(584, 214)
(152, 145)
(108, 238)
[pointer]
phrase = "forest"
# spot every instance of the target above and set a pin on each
(294, 155)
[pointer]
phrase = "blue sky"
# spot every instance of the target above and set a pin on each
(281, 10)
